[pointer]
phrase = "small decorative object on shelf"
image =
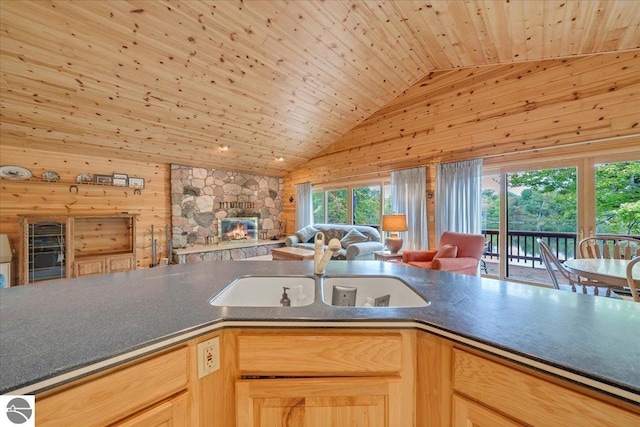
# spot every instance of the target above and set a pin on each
(50, 176)
(120, 179)
(15, 172)
(84, 178)
(103, 179)
(136, 182)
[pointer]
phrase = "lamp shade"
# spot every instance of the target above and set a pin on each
(394, 222)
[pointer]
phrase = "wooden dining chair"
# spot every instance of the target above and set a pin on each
(553, 265)
(634, 285)
(609, 246)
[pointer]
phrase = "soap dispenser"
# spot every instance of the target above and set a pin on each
(285, 301)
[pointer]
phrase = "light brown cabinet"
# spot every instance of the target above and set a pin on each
(151, 389)
(319, 402)
(325, 379)
(103, 264)
(503, 392)
(329, 377)
(57, 247)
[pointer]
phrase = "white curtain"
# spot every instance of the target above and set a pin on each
(304, 205)
(459, 197)
(408, 196)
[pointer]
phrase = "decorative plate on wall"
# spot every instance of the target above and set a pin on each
(15, 172)
(51, 176)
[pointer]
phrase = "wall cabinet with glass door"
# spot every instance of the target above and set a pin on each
(57, 247)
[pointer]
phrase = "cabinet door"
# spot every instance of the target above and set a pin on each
(172, 413)
(117, 263)
(470, 414)
(319, 402)
(88, 267)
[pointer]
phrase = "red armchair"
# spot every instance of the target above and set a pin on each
(457, 253)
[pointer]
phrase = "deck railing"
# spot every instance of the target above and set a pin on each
(523, 248)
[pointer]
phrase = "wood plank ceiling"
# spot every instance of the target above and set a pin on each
(173, 81)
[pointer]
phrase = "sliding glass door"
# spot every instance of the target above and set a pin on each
(540, 204)
(559, 203)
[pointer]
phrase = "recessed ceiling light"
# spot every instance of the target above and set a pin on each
(224, 147)
(280, 159)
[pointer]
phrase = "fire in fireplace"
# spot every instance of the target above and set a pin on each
(238, 229)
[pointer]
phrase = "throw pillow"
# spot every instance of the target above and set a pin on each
(446, 251)
(307, 233)
(353, 236)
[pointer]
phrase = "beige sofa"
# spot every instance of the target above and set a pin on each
(351, 250)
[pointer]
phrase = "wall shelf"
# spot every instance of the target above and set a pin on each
(74, 186)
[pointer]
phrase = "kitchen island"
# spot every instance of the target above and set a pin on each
(54, 333)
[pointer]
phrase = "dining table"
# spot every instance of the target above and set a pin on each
(607, 272)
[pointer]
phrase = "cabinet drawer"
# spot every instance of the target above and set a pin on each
(529, 398)
(116, 395)
(321, 354)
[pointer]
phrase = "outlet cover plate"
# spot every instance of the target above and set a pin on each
(208, 356)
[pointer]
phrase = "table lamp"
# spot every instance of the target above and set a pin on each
(394, 223)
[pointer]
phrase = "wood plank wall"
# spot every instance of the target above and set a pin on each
(38, 197)
(491, 112)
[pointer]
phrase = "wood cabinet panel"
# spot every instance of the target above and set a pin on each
(320, 354)
(89, 267)
(114, 395)
(172, 413)
(470, 414)
(102, 234)
(319, 402)
(531, 399)
(115, 263)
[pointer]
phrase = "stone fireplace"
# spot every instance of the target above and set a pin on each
(201, 199)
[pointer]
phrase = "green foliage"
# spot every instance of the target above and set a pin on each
(490, 210)
(337, 207)
(546, 200)
(318, 207)
(618, 198)
(366, 205)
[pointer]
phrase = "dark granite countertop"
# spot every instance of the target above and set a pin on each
(51, 331)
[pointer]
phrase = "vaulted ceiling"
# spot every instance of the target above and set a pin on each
(174, 81)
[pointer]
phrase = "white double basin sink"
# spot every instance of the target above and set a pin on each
(370, 291)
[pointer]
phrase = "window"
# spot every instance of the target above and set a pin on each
(337, 207)
(367, 203)
(358, 204)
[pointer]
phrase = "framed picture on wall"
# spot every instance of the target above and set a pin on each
(136, 182)
(103, 179)
(120, 179)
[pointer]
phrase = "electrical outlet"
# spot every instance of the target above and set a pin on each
(208, 357)
(344, 296)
